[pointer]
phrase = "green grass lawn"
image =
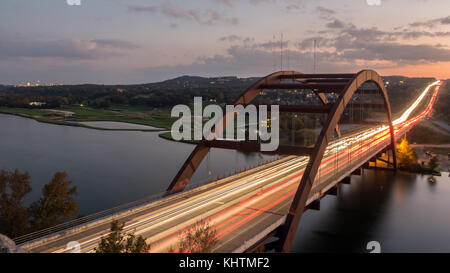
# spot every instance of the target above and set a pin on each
(427, 133)
(89, 114)
(437, 150)
(168, 136)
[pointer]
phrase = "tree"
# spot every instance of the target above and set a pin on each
(221, 97)
(54, 207)
(406, 156)
(433, 164)
(56, 204)
(199, 238)
(119, 242)
(14, 186)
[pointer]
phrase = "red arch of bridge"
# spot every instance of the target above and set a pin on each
(307, 180)
(355, 81)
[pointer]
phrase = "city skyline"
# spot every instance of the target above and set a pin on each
(125, 42)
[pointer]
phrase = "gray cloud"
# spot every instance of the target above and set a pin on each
(235, 38)
(293, 7)
(341, 47)
(257, 2)
(324, 12)
(270, 45)
(432, 23)
(150, 9)
(248, 61)
(349, 43)
(401, 53)
(66, 48)
(177, 11)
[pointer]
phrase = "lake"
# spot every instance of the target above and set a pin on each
(109, 168)
(403, 212)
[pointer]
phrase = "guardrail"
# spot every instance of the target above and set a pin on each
(152, 198)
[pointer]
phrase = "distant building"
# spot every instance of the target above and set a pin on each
(37, 103)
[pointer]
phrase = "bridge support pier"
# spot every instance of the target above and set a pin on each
(387, 159)
(314, 205)
(357, 172)
(334, 115)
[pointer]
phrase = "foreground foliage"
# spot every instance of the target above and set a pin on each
(54, 207)
(119, 242)
(198, 238)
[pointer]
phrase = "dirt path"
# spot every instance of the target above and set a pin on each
(444, 161)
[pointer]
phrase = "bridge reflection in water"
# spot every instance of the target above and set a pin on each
(252, 208)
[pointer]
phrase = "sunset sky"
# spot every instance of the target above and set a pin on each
(138, 41)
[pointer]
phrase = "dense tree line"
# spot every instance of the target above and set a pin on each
(177, 91)
(441, 109)
(198, 238)
(402, 91)
(407, 160)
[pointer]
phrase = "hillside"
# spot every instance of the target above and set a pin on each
(441, 108)
(168, 93)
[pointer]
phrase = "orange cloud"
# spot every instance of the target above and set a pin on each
(439, 70)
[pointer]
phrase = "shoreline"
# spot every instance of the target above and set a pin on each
(76, 123)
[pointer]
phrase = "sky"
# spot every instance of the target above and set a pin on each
(141, 41)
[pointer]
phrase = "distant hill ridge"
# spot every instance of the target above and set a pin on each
(204, 81)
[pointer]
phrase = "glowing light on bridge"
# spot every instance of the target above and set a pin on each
(258, 193)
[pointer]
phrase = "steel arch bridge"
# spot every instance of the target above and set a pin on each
(345, 85)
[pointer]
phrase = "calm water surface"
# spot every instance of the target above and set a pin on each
(403, 212)
(117, 125)
(108, 167)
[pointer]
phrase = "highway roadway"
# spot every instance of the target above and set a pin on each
(242, 207)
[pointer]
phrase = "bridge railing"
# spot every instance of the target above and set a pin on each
(128, 206)
(319, 185)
